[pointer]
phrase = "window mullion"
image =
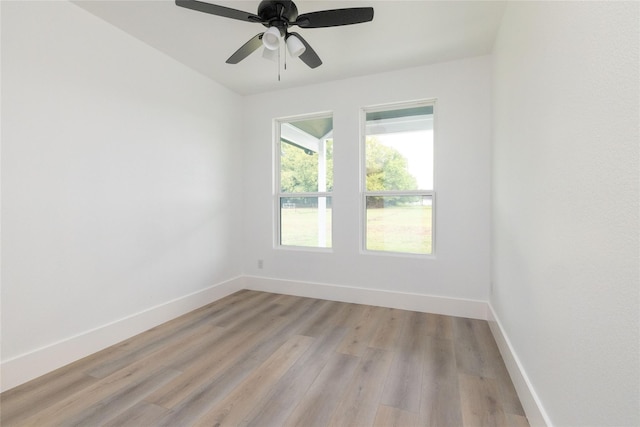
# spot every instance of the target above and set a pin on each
(309, 194)
(400, 193)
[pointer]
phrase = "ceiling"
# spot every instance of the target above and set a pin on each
(402, 34)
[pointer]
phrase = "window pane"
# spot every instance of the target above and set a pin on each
(305, 221)
(306, 156)
(399, 224)
(399, 149)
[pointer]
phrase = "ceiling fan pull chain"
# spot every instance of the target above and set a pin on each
(278, 62)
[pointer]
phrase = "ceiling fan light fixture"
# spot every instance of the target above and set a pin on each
(271, 38)
(271, 55)
(295, 46)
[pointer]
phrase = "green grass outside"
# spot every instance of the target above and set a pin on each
(299, 227)
(404, 229)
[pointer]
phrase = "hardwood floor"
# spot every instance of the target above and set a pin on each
(260, 359)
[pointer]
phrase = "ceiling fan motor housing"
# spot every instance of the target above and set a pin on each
(277, 14)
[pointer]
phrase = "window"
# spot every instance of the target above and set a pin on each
(304, 181)
(398, 193)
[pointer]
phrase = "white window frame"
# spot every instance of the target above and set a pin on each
(363, 178)
(279, 195)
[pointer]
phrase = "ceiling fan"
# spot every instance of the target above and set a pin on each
(278, 16)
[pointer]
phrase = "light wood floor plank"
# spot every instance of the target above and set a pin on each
(389, 327)
(478, 354)
(243, 313)
(361, 331)
(35, 396)
(175, 337)
(480, 402)
(359, 403)
(404, 384)
(470, 356)
(440, 397)
(250, 322)
(388, 416)
(287, 392)
(347, 314)
(119, 401)
(69, 408)
(232, 409)
(496, 369)
(517, 421)
(141, 414)
(206, 364)
(203, 388)
(326, 317)
(200, 399)
(440, 326)
(259, 359)
(298, 305)
(318, 403)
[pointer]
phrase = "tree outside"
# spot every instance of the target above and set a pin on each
(299, 169)
(387, 170)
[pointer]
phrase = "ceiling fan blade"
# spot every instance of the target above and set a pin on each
(214, 9)
(247, 49)
(335, 17)
(309, 56)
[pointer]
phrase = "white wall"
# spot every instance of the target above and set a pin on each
(565, 205)
(460, 268)
(120, 178)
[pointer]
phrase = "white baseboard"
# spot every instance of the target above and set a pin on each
(25, 367)
(531, 403)
(406, 301)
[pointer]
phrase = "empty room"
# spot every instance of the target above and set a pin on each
(314, 213)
